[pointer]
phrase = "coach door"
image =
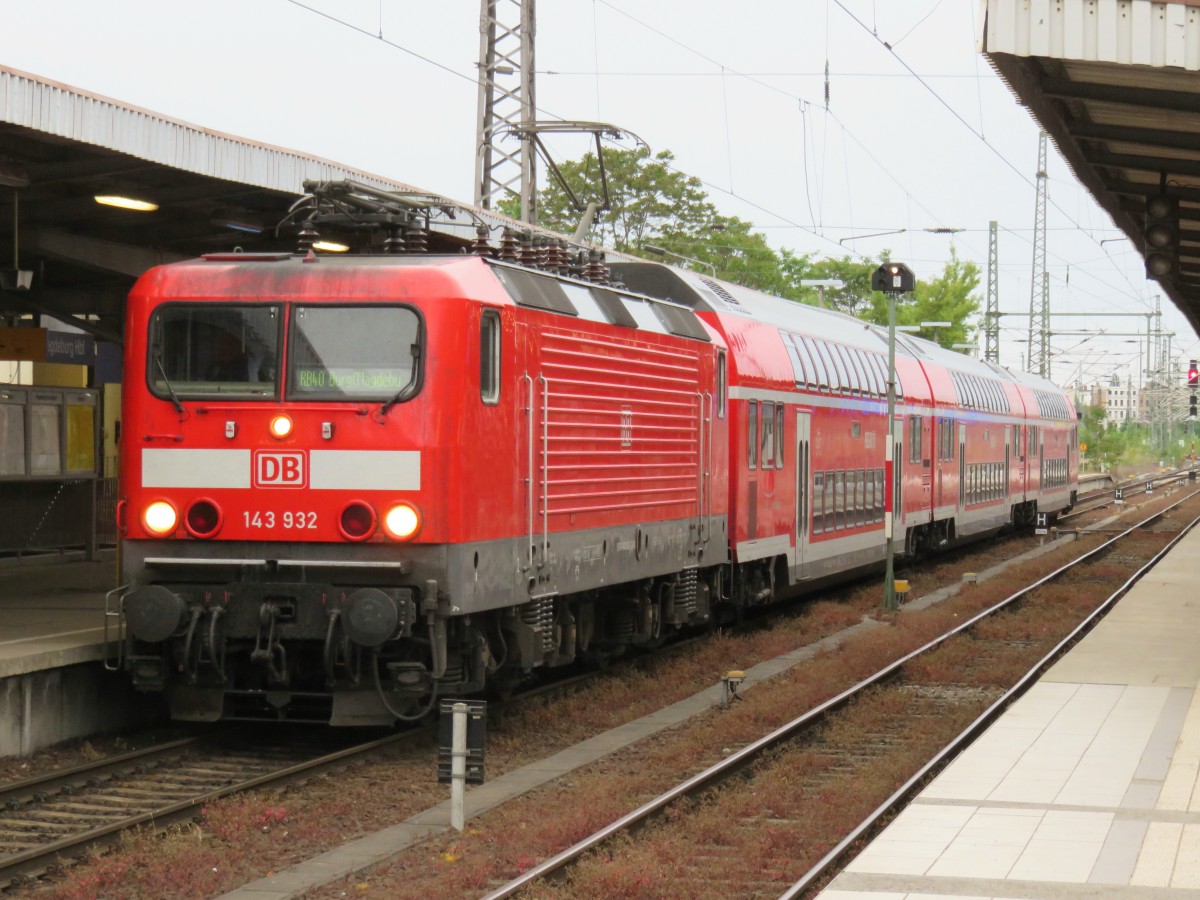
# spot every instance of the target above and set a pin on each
(1007, 462)
(803, 486)
(962, 466)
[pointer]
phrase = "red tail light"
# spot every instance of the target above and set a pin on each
(358, 521)
(203, 519)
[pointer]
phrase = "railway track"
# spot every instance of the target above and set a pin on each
(1141, 485)
(913, 700)
(55, 817)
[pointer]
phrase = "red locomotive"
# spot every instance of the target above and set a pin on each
(352, 483)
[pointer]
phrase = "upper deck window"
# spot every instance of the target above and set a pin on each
(354, 353)
(214, 349)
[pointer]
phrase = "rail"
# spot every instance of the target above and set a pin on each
(129, 779)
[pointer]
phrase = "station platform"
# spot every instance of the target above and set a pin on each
(52, 611)
(53, 685)
(1086, 787)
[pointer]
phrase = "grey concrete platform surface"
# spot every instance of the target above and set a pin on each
(1086, 787)
(52, 611)
(53, 685)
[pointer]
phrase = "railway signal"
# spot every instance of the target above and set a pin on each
(1161, 235)
(1193, 374)
(893, 278)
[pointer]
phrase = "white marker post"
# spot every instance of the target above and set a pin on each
(458, 765)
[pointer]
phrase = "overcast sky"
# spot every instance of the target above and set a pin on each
(735, 91)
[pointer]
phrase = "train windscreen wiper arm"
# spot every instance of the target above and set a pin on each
(167, 382)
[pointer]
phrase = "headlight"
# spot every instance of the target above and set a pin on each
(281, 426)
(402, 521)
(160, 518)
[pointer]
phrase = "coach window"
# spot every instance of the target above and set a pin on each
(793, 352)
(768, 434)
(818, 504)
(831, 372)
(948, 439)
(818, 364)
(860, 363)
(752, 433)
(721, 385)
(839, 365)
(839, 499)
(830, 522)
(489, 357)
(873, 375)
(852, 381)
(914, 439)
(779, 436)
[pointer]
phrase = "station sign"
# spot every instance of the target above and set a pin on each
(69, 347)
(47, 345)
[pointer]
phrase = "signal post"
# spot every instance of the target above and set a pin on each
(891, 278)
(1193, 383)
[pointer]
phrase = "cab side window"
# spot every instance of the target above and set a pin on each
(489, 357)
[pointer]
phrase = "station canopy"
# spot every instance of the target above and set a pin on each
(1116, 84)
(61, 147)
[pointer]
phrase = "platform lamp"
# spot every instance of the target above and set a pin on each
(891, 278)
(820, 284)
(935, 326)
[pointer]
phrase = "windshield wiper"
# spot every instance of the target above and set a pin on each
(399, 395)
(167, 382)
(396, 398)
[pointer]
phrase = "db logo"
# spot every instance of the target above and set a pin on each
(274, 468)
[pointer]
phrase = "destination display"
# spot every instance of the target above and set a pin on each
(350, 379)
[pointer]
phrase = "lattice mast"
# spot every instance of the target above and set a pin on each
(991, 315)
(505, 161)
(1039, 294)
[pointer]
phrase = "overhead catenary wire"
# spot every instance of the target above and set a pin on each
(978, 134)
(817, 227)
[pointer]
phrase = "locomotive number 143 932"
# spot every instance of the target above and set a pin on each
(286, 519)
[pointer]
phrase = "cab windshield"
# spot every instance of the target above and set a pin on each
(209, 349)
(367, 353)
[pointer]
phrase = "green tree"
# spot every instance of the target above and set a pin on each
(652, 204)
(947, 298)
(649, 199)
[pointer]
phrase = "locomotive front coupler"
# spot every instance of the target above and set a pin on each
(268, 650)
